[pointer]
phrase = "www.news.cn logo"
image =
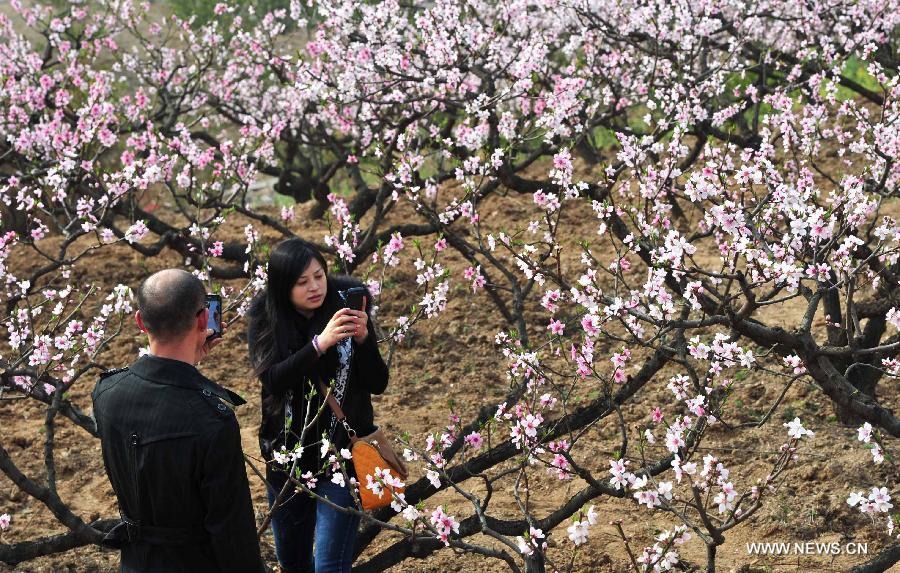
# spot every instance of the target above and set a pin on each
(808, 548)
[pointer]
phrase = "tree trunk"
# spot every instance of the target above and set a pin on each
(534, 563)
(711, 558)
(881, 562)
(862, 373)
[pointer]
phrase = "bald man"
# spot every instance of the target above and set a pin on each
(172, 448)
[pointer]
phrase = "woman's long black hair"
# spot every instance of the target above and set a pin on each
(289, 259)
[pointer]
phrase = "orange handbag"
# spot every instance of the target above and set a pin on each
(370, 454)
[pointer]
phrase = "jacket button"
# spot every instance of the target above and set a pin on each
(222, 407)
(207, 393)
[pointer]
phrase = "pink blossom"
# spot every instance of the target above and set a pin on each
(394, 246)
(534, 541)
(796, 363)
(136, 232)
(474, 440)
(674, 440)
(107, 137)
(796, 429)
(556, 327)
(444, 524)
(550, 300)
(865, 433)
(620, 475)
(474, 275)
(591, 324)
(620, 359)
(578, 532)
(893, 317)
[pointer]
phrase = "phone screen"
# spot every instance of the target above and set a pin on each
(214, 322)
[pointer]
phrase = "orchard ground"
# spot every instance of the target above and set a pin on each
(451, 359)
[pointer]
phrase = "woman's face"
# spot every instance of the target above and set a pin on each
(309, 291)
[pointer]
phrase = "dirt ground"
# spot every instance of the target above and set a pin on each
(451, 358)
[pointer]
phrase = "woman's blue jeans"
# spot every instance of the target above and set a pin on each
(303, 519)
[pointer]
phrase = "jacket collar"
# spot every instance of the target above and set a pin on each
(181, 374)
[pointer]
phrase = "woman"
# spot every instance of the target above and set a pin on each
(300, 334)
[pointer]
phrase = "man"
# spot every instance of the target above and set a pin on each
(171, 448)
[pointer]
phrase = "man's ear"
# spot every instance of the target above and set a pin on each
(140, 321)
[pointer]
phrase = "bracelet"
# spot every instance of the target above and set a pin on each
(315, 343)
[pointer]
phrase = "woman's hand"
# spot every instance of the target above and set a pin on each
(343, 325)
(362, 324)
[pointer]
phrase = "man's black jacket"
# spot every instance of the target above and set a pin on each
(173, 454)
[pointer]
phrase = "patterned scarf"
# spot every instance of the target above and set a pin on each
(345, 354)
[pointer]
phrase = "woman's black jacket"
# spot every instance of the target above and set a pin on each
(297, 369)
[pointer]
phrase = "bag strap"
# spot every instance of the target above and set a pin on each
(338, 411)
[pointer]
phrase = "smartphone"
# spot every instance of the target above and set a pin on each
(214, 304)
(353, 297)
